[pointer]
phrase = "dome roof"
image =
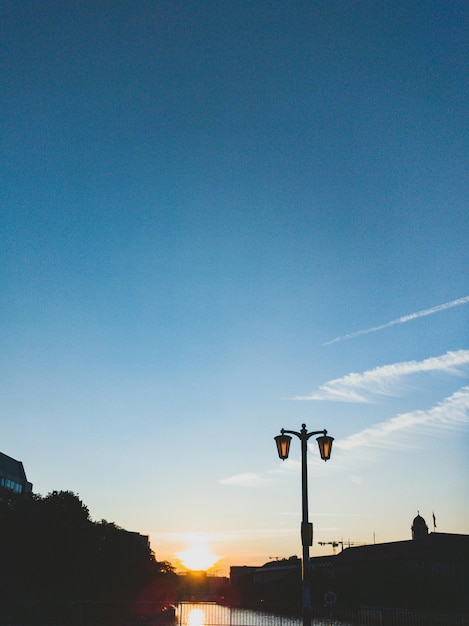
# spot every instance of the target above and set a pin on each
(419, 527)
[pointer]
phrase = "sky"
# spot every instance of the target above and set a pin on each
(221, 218)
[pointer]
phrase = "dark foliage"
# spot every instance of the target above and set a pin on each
(51, 551)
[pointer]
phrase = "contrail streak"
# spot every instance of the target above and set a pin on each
(402, 320)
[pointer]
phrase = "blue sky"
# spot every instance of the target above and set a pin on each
(223, 218)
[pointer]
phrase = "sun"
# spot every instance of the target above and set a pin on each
(198, 556)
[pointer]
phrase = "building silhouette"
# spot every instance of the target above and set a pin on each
(429, 571)
(12, 475)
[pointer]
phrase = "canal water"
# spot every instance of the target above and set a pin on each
(212, 614)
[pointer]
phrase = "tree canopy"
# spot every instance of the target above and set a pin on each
(51, 549)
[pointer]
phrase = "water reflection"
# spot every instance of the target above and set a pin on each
(196, 617)
(202, 614)
(212, 614)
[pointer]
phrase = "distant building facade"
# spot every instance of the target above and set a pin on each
(275, 585)
(13, 476)
(429, 571)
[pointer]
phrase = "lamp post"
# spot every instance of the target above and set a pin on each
(325, 447)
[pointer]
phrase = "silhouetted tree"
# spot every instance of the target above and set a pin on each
(51, 550)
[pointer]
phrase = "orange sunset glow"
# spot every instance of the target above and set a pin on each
(198, 556)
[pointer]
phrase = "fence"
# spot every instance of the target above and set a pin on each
(211, 614)
(82, 613)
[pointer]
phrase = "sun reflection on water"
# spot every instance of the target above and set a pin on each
(196, 618)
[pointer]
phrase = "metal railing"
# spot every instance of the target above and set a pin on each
(84, 613)
(211, 614)
(92, 613)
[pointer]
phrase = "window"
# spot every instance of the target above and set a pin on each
(11, 484)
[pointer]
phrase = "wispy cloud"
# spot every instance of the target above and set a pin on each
(384, 380)
(250, 479)
(451, 413)
(245, 480)
(402, 320)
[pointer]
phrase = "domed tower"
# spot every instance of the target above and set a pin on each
(419, 527)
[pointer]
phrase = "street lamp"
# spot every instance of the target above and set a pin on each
(325, 447)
